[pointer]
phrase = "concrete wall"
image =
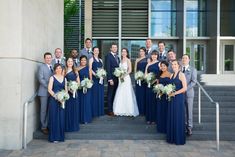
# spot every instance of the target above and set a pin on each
(28, 29)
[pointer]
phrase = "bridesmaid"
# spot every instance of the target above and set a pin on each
(176, 109)
(72, 105)
(140, 65)
(151, 100)
(98, 87)
(85, 98)
(162, 104)
(56, 123)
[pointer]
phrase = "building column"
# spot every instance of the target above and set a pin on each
(218, 65)
(88, 18)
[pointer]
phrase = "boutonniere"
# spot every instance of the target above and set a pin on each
(188, 70)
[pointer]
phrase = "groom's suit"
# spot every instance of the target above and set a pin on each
(191, 77)
(111, 62)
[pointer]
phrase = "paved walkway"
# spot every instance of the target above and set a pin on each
(122, 148)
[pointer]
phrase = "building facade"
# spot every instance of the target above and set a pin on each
(202, 28)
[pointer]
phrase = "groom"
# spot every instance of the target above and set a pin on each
(111, 62)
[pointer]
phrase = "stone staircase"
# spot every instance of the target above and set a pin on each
(117, 128)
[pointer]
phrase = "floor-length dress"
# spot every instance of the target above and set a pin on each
(175, 115)
(151, 100)
(85, 99)
(140, 90)
(72, 107)
(97, 91)
(56, 122)
(124, 103)
(162, 105)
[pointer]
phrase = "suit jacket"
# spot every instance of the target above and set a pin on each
(110, 65)
(191, 77)
(148, 55)
(44, 74)
(84, 52)
(53, 62)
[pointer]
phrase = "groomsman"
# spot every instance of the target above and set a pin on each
(149, 49)
(162, 51)
(44, 73)
(191, 77)
(87, 50)
(171, 56)
(111, 62)
(74, 55)
(58, 58)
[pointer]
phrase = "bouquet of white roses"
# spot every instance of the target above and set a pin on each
(62, 96)
(101, 73)
(150, 78)
(168, 89)
(73, 86)
(85, 84)
(120, 73)
(158, 89)
(139, 76)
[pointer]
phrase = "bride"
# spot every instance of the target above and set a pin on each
(125, 101)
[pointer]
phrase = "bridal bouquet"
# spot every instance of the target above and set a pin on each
(120, 73)
(139, 76)
(85, 84)
(168, 89)
(62, 96)
(101, 73)
(159, 90)
(73, 86)
(149, 78)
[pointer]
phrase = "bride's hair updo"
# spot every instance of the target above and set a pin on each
(127, 51)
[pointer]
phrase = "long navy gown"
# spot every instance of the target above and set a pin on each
(85, 99)
(71, 107)
(97, 91)
(140, 91)
(175, 115)
(56, 123)
(151, 100)
(162, 106)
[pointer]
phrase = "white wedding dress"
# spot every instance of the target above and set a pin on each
(124, 103)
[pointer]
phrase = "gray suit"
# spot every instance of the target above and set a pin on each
(44, 73)
(62, 62)
(148, 53)
(84, 52)
(191, 77)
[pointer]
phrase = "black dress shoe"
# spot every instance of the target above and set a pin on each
(190, 131)
(45, 131)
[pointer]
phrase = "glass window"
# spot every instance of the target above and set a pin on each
(196, 18)
(163, 18)
(229, 58)
(227, 15)
(133, 46)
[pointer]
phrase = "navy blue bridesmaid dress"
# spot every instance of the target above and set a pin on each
(56, 123)
(97, 91)
(85, 99)
(72, 107)
(162, 106)
(175, 115)
(140, 91)
(151, 100)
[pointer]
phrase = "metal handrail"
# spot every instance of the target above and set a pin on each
(217, 111)
(25, 118)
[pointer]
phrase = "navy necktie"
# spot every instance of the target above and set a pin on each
(51, 69)
(183, 69)
(58, 61)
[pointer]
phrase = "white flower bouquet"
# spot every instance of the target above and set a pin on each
(73, 86)
(86, 84)
(139, 76)
(101, 74)
(120, 73)
(150, 78)
(62, 96)
(168, 89)
(159, 90)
